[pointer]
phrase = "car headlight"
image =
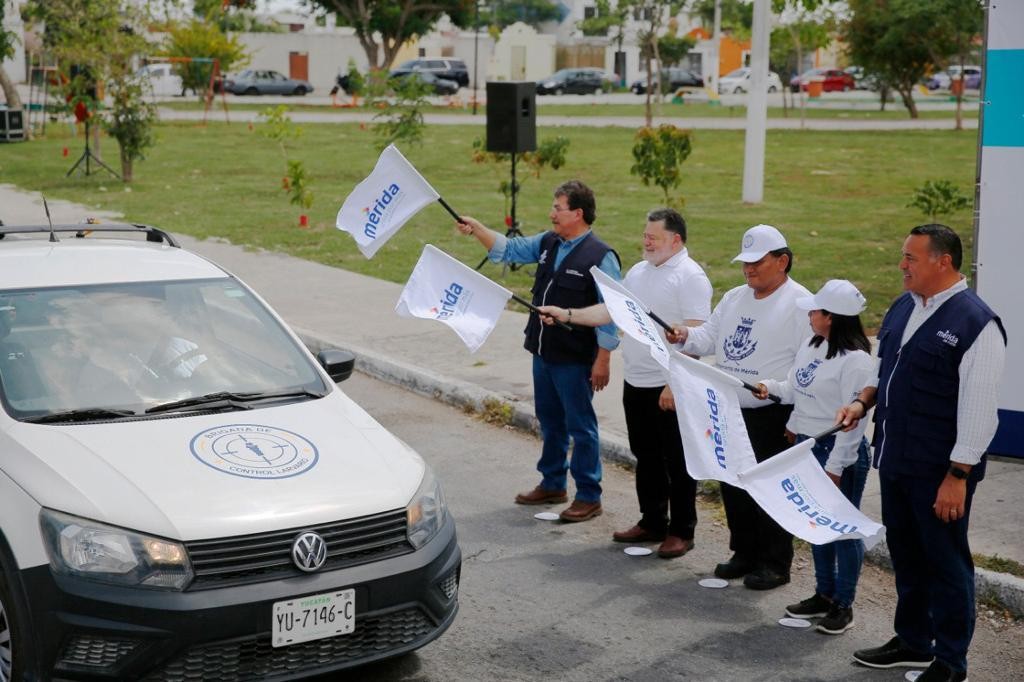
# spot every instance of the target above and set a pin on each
(95, 551)
(550, 84)
(427, 511)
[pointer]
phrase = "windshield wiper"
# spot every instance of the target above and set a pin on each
(82, 415)
(226, 399)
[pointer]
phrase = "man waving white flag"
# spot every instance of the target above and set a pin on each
(443, 289)
(715, 440)
(628, 314)
(384, 201)
(796, 492)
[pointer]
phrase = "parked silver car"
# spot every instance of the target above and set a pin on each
(265, 82)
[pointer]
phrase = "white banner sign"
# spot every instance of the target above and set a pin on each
(628, 315)
(797, 493)
(443, 289)
(715, 440)
(384, 201)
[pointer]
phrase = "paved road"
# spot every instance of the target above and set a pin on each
(562, 602)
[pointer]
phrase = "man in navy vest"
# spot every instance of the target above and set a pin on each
(941, 352)
(568, 366)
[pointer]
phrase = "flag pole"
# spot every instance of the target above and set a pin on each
(750, 387)
(451, 210)
(825, 434)
(533, 308)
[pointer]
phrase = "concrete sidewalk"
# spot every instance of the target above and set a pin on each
(337, 308)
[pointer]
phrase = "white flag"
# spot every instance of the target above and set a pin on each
(795, 491)
(715, 440)
(443, 289)
(384, 201)
(628, 315)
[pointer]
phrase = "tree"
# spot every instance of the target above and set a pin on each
(961, 21)
(939, 198)
(502, 13)
(653, 15)
(7, 41)
(737, 16)
(789, 43)
(202, 40)
(233, 15)
(659, 154)
(610, 23)
(896, 41)
(96, 42)
(383, 26)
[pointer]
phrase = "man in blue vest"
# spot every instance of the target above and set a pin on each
(941, 353)
(568, 366)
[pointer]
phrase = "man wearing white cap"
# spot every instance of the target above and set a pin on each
(755, 332)
(829, 371)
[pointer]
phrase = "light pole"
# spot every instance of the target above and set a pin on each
(476, 49)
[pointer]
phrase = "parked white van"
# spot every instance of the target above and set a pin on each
(184, 492)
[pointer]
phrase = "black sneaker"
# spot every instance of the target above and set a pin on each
(812, 607)
(838, 620)
(892, 654)
(940, 672)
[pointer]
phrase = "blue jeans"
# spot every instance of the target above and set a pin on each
(837, 564)
(562, 399)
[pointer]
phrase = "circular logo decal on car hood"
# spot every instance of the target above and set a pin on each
(254, 451)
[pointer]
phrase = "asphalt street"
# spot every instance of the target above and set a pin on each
(543, 600)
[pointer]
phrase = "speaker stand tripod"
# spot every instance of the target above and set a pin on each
(88, 156)
(513, 224)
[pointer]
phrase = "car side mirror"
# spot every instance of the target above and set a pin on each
(337, 363)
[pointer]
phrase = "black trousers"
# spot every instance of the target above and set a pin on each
(753, 535)
(666, 492)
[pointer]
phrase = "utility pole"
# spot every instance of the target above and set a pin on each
(757, 108)
(716, 40)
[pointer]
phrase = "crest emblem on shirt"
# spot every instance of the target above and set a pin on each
(543, 257)
(805, 376)
(739, 345)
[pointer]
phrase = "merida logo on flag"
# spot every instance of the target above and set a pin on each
(813, 514)
(449, 301)
(639, 318)
(375, 215)
(715, 432)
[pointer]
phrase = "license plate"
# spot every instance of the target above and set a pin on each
(314, 617)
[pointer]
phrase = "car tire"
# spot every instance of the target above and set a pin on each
(772, 88)
(559, 91)
(300, 91)
(738, 90)
(12, 637)
(846, 88)
(251, 91)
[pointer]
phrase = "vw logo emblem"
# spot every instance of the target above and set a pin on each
(309, 552)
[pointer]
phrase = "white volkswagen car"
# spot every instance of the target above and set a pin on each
(737, 82)
(184, 493)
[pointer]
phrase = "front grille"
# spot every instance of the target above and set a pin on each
(256, 659)
(450, 585)
(96, 651)
(268, 556)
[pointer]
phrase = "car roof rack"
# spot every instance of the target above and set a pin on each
(81, 230)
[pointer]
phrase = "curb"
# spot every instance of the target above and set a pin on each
(1007, 589)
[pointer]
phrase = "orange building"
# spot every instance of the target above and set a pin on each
(732, 53)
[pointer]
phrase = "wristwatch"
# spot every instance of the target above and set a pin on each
(957, 472)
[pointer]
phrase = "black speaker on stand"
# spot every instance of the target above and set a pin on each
(12, 125)
(511, 129)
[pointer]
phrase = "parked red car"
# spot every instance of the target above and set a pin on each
(834, 80)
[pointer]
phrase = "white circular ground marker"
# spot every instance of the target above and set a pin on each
(546, 516)
(794, 623)
(912, 675)
(637, 551)
(713, 583)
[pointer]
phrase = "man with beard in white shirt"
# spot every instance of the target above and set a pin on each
(755, 332)
(675, 287)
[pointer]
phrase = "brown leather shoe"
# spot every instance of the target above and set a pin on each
(674, 547)
(580, 511)
(542, 496)
(637, 534)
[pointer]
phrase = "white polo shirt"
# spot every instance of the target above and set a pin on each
(676, 290)
(755, 339)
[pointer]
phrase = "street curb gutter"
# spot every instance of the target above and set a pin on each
(1007, 589)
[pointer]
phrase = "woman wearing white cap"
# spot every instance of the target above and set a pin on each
(829, 371)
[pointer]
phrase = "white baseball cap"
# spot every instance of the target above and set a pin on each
(836, 296)
(759, 240)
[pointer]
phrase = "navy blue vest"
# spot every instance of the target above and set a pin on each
(918, 389)
(571, 286)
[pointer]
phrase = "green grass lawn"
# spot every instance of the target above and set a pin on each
(893, 112)
(840, 198)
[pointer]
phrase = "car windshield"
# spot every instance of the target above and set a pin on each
(132, 347)
(738, 73)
